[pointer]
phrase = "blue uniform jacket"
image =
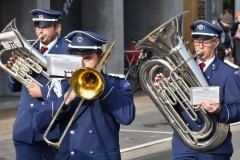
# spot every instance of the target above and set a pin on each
(94, 133)
(219, 74)
(22, 128)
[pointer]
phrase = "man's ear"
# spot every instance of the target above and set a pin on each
(217, 41)
(59, 28)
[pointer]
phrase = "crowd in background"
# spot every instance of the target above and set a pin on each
(229, 48)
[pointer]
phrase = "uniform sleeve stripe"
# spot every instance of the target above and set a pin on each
(107, 93)
(227, 113)
(52, 110)
(11, 80)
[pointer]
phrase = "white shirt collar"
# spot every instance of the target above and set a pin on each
(49, 46)
(207, 62)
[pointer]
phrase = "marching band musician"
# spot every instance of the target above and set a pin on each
(94, 133)
(206, 37)
(29, 144)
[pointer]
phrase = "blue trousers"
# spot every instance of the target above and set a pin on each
(35, 151)
(201, 156)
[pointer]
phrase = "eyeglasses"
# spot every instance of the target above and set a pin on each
(204, 43)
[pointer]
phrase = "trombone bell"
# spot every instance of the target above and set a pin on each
(87, 83)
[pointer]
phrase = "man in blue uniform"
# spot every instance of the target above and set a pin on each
(29, 144)
(94, 133)
(206, 38)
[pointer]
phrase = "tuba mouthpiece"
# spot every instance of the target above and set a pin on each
(40, 36)
(199, 53)
(38, 39)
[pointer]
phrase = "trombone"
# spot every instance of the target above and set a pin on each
(88, 84)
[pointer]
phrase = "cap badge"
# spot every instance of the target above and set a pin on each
(79, 39)
(200, 27)
(40, 16)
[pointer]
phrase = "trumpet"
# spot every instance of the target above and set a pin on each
(28, 58)
(87, 83)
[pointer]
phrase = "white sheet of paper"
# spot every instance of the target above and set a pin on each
(200, 93)
(59, 64)
(10, 40)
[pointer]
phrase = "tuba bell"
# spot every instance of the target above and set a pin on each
(28, 58)
(184, 73)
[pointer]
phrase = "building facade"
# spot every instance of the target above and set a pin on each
(117, 20)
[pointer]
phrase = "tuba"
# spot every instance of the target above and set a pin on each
(184, 73)
(87, 83)
(28, 58)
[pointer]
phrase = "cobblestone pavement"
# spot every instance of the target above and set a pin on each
(7, 117)
(142, 102)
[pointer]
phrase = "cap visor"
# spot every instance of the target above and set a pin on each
(201, 37)
(82, 51)
(43, 23)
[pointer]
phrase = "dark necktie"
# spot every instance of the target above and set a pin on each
(43, 49)
(202, 65)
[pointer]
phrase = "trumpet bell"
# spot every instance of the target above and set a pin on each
(87, 83)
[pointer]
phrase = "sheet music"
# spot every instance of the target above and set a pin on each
(9, 39)
(197, 94)
(58, 64)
